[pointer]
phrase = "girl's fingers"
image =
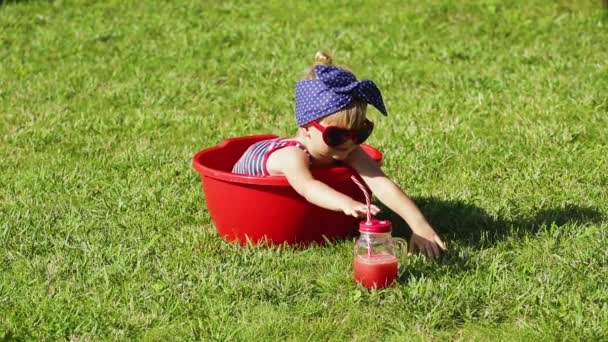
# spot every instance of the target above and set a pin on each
(431, 249)
(413, 248)
(440, 243)
(428, 251)
(361, 210)
(353, 213)
(435, 249)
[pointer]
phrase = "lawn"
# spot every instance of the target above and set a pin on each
(497, 128)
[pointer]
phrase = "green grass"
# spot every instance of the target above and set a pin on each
(497, 127)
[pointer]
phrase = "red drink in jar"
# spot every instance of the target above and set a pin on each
(376, 264)
(376, 271)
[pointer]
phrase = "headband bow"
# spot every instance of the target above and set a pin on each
(333, 91)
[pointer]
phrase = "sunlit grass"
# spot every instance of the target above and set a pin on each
(497, 127)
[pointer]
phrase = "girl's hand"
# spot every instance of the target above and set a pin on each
(426, 242)
(358, 209)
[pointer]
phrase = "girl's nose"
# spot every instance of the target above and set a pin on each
(350, 143)
(347, 145)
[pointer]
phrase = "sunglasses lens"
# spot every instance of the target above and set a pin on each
(335, 136)
(364, 132)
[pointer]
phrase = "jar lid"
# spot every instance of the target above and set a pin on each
(375, 226)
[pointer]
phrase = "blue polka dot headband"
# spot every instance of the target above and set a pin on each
(333, 90)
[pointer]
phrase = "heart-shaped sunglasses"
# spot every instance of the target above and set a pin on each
(335, 136)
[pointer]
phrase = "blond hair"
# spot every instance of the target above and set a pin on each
(350, 117)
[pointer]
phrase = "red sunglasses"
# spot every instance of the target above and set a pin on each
(335, 136)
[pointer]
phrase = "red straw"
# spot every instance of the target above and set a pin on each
(367, 199)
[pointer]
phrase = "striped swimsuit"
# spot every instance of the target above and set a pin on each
(253, 161)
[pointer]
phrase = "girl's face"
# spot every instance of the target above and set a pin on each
(320, 150)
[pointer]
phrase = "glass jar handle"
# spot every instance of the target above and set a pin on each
(402, 246)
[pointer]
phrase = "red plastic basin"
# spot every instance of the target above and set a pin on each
(267, 208)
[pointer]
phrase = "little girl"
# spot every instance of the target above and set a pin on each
(331, 108)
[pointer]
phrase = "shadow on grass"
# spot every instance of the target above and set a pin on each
(473, 226)
(468, 225)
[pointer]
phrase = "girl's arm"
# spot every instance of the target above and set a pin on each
(424, 238)
(293, 163)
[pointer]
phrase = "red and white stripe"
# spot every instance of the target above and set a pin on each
(367, 198)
